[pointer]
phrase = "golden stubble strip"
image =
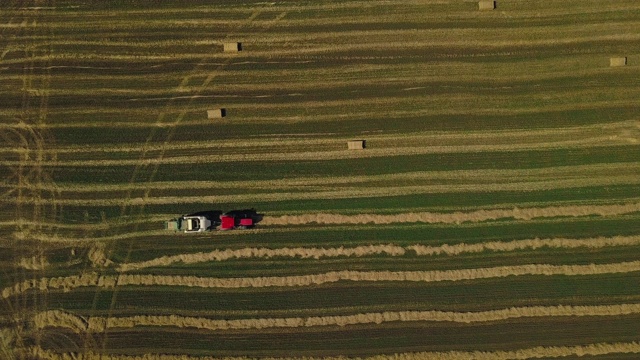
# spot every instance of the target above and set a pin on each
(455, 217)
(390, 151)
(387, 250)
(109, 281)
(536, 352)
(57, 318)
(582, 174)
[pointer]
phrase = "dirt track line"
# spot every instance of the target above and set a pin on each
(387, 250)
(69, 283)
(57, 318)
(595, 349)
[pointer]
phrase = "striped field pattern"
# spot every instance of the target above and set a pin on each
(494, 213)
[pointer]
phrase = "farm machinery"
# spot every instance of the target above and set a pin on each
(213, 220)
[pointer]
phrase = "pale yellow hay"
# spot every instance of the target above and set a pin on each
(389, 250)
(58, 318)
(456, 217)
(300, 252)
(231, 47)
(356, 144)
(586, 173)
(34, 263)
(7, 344)
(486, 5)
(100, 324)
(97, 255)
(336, 192)
(593, 142)
(560, 243)
(93, 279)
(520, 354)
(618, 61)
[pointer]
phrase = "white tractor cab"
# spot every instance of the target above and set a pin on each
(189, 224)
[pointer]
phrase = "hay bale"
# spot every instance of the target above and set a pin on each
(356, 144)
(232, 46)
(216, 113)
(618, 61)
(486, 5)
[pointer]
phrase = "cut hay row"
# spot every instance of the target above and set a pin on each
(56, 318)
(317, 80)
(389, 151)
(585, 132)
(306, 193)
(278, 43)
(387, 250)
(360, 110)
(596, 349)
(247, 253)
(109, 281)
(456, 217)
(589, 174)
(323, 14)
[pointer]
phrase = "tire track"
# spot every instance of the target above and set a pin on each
(167, 140)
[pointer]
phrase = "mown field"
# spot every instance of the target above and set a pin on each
(495, 213)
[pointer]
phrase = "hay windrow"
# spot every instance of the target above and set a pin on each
(100, 324)
(34, 263)
(336, 154)
(387, 250)
(537, 352)
(308, 193)
(456, 217)
(93, 279)
(98, 256)
(298, 252)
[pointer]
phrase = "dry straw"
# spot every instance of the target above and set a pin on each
(486, 5)
(537, 352)
(297, 252)
(388, 250)
(93, 279)
(456, 217)
(56, 318)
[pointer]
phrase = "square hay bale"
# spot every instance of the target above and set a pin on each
(216, 113)
(618, 61)
(232, 46)
(486, 5)
(356, 144)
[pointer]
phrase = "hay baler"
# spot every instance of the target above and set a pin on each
(189, 224)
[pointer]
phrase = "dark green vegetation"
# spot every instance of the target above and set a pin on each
(104, 135)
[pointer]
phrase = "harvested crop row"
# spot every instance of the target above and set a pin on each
(456, 217)
(521, 354)
(306, 192)
(56, 318)
(108, 281)
(453, 138)
(599, 141)
(584, 175)
(388, 250)
(299, 252)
